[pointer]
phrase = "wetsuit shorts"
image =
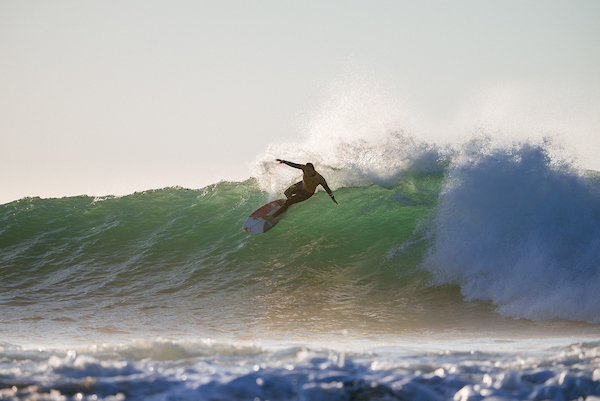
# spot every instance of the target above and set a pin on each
(294, 194)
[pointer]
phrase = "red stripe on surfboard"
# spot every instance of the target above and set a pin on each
(266, 209)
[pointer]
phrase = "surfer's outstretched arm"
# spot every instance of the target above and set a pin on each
(291, 164)
(328, 190)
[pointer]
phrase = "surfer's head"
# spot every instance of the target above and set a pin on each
(310, 169)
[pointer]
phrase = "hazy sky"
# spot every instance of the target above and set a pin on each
(109, 97)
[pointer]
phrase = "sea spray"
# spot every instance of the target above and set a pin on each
(362, 134)
(354, 162)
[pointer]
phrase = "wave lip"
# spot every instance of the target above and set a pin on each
(517, 229)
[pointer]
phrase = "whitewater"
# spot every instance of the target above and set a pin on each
(464, 271)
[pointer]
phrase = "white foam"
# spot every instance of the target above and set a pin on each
(301, 372)
(521, 230)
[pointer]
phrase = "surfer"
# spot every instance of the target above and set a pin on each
(302, 190)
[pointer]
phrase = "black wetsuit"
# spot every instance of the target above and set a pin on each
(302, 190)
(294, 194)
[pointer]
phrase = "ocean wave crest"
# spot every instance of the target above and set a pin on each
(519, 229)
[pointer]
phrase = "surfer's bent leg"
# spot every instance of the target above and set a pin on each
(299, 195)
(293, 189)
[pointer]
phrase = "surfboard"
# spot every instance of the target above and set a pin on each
(256, 224)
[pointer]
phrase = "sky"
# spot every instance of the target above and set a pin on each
(111, 97)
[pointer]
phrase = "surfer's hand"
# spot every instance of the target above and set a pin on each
(280, 161)
(333, 199)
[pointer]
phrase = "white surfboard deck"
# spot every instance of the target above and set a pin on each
(256, 224)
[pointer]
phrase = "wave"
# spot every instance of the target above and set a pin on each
(176, 257)
(519, 229)
(510, 227)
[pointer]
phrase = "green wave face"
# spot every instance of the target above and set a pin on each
(183, 250)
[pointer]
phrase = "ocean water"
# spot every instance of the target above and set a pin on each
(443, 274)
